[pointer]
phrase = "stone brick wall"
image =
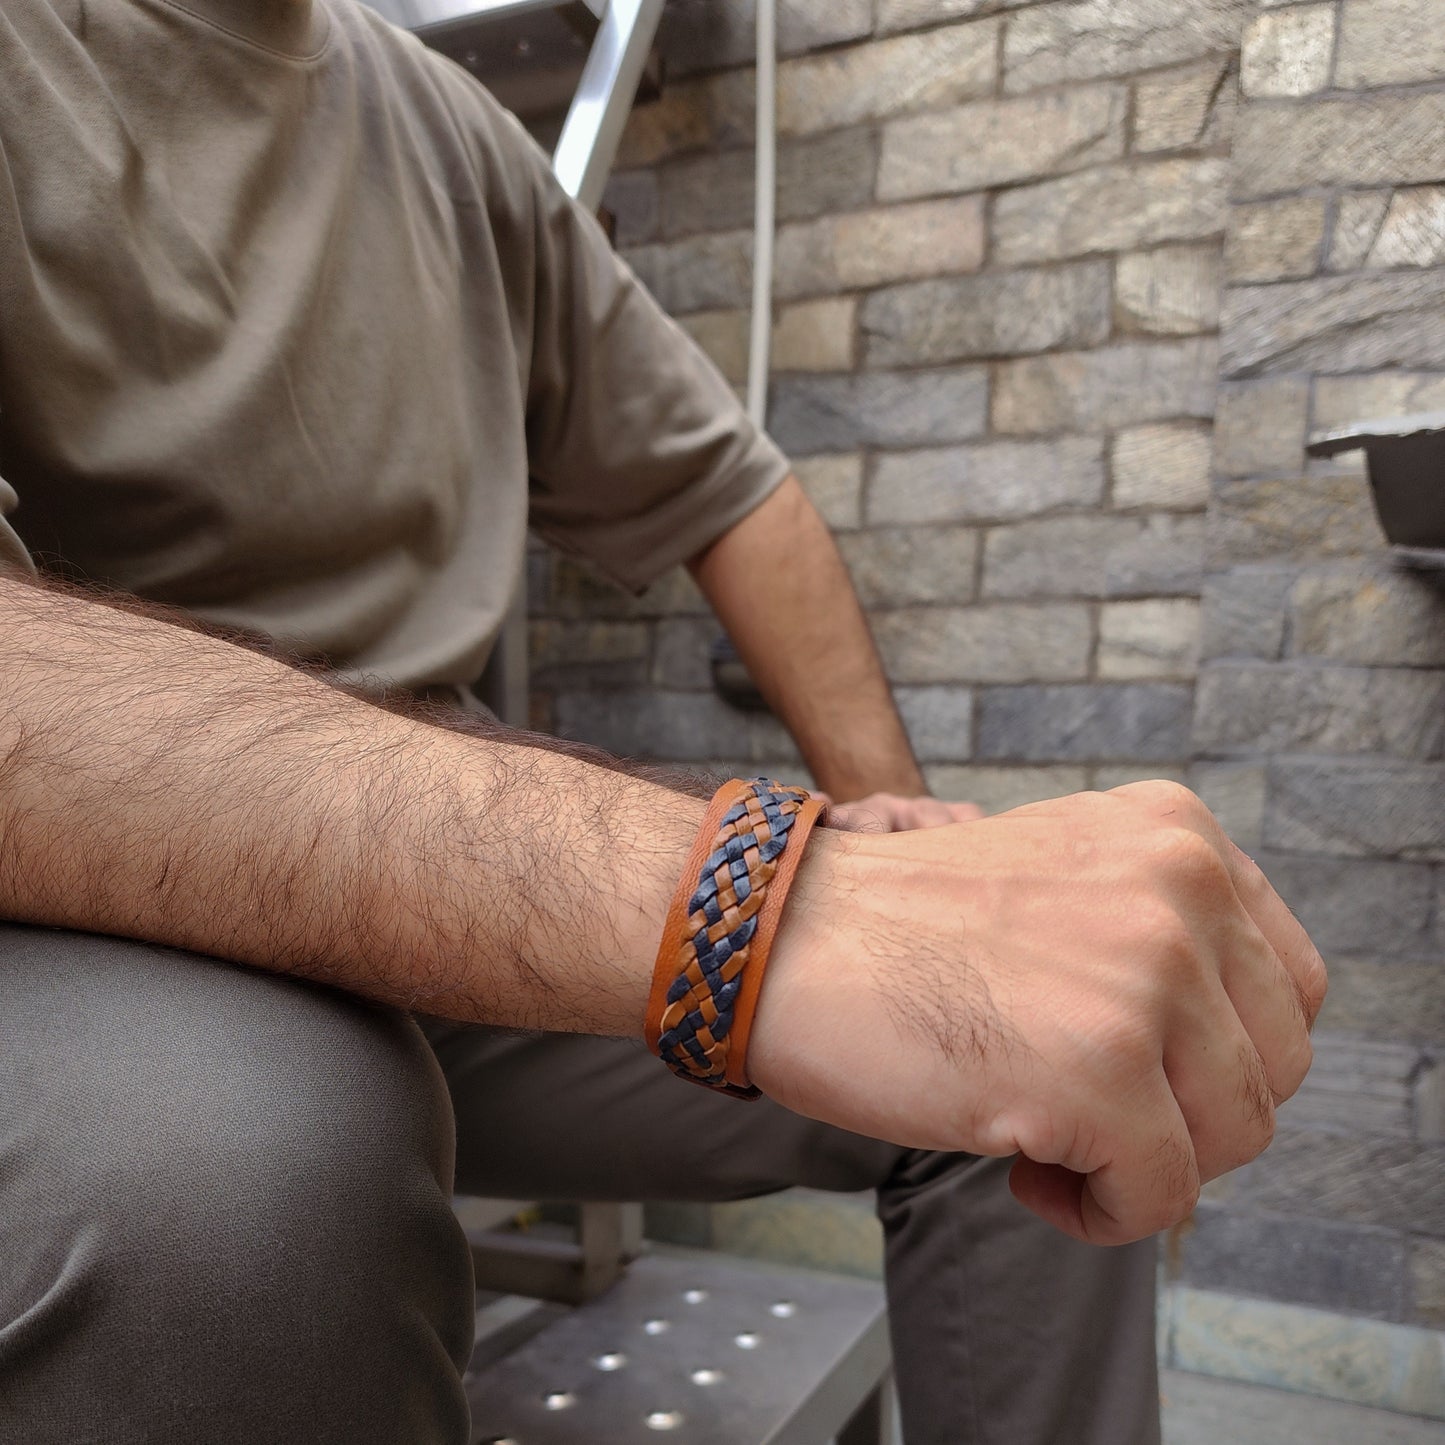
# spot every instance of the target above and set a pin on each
(1062, 288)
(1319, 716)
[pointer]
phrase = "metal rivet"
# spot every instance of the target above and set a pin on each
(610, 1362)
(664, 1420)
(747, 1341)
(707, 1377)
(656, 1327)
(560, 1400)
(694, 1296)
(785, 1309)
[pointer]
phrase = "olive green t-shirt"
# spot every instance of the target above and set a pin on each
(298, 332)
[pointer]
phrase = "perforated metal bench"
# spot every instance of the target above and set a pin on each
(692, 1347)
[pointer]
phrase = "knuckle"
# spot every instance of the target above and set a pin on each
(1192, 858)
(1297, 1060)
(1164, 797)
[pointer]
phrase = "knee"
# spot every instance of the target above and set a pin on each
(219, 1132)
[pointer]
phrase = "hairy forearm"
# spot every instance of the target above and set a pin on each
(161, 784)
(781, 589)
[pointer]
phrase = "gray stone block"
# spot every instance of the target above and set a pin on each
(1189, 108)
(1411, 232)
(1427, 1282)
(1358, 217)
(1051, 44)
(1395, 999)
(1279, 240)
(1172, 291)
(1235, 794)
(910, 14)
(881, 409)
(1259, 427)
(1394, 1183)
(996, 789)
(700, 273)
(1314, 516)
(816, 335)
(984, 644)
(713, 111)
(632, 198)
(704, 35)
(1095, 556)
(1356, 808)
(554, 644)
(889, 243)
(1134, 722)
(1342, 400)
(714, 192)
(1163, 466)
(1244, 612)
(1429, 1100)
(1389, 42)
(1115, 386)
(967, 317)
(1153, 638)
(1356, 1087)
(939, 722)
(1288, 52)
(1335, 324)
(1357, 1268)
(1387, 618)
(887, 77)
(1001, 142)
(1119, 775)
(1111, 208)
(1360, 141)
(834, 484)
(681, 659)
(896, 566)
(676, 726)
(991, 481)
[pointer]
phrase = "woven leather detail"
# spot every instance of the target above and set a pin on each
(705, 956)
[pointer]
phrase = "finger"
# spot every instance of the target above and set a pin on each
(1149, 1180)
(1222, 1086)
(1303, 968)
(927, 813)
(964, 812)
(1151, 1183)
(1266, 998)
(1300, 962)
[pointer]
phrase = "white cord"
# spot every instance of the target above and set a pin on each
(760, 336)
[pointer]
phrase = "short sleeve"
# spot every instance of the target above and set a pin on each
(640, 454)
(14, 559)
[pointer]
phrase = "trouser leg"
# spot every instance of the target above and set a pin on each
(1005, 1331)
(224, 1208)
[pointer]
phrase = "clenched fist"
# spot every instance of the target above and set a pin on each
(1102, 984)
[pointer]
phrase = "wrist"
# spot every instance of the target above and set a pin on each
(578, 886)
(809, 957)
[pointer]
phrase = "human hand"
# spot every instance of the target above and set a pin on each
(1103, 984)
(894, 813)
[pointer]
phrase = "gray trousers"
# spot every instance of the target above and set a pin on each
(224, 1216)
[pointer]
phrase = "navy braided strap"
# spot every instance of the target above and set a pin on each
(720, 928)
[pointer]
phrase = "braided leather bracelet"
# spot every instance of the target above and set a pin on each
(720, 928)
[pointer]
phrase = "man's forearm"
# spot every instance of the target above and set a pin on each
(780, 588)
(160, 784)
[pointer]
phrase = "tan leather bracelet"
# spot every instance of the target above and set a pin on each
(720, 929)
